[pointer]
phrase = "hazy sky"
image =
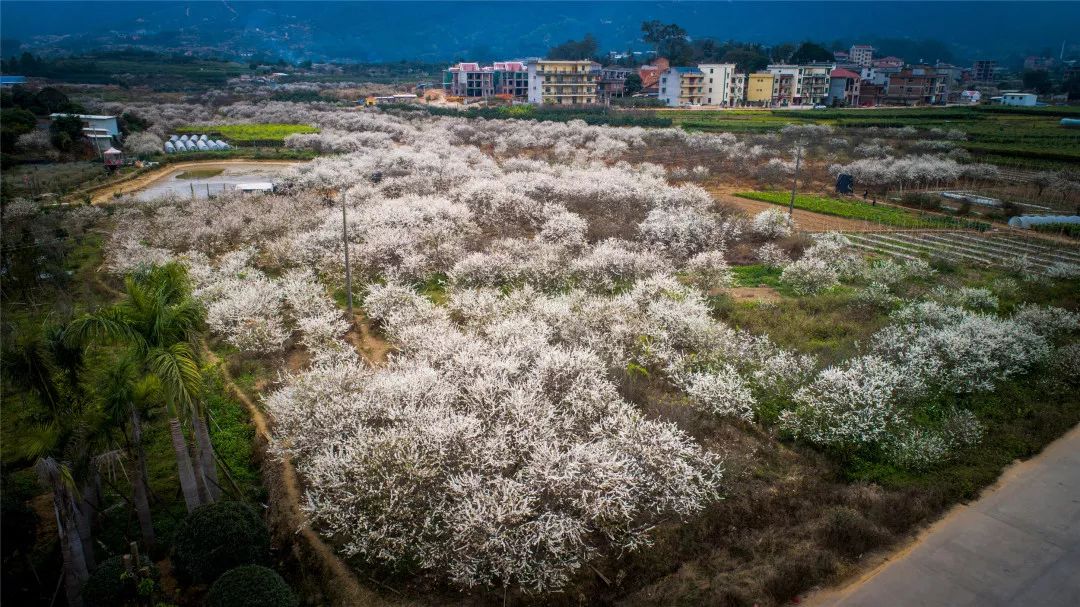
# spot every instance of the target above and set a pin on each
(444, 30)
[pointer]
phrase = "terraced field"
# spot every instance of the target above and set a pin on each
(971, 248)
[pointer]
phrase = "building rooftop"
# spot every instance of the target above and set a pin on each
(842, 73)
(686, 70)
(82, 116)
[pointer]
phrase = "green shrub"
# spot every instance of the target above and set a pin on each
(111, 586)
(251, 586)
(217, 537)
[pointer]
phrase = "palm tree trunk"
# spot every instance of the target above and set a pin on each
(204, 450)
(139, 483)
(184, 468)
(71, 549)
(84, 512)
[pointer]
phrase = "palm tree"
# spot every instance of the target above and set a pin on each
(33, 359)
(124, 396)
(76, 571)
(159, 321)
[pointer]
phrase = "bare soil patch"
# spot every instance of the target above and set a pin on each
(765, 294)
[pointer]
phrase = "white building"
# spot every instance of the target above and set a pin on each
(737, 90)
(861, 55)
(1018, 98)
(95, 123)
(682, 86)
(722, 85)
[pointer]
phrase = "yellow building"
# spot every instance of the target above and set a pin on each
(759, 88)
(562, 82)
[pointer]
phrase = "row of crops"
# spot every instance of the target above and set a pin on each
(969, 248)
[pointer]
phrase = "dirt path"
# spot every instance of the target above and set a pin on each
(371, 347)
(286, 519)
(762, 294)
(105, 192)
(1018, 544)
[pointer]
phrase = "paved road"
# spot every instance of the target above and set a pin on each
(1019, 544)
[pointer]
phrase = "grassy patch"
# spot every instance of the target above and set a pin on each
(251, 132)
(854, 209)
(233, 437)
(830, 325)
(756, 276)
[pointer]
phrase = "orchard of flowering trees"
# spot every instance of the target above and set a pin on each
(524, 273)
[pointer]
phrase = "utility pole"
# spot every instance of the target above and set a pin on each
(795, 181)
(345, 243)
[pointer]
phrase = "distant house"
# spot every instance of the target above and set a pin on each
(650, 74)
(759, 89)
(610, 81)
(681, 86)
(723, 86)
(861, 55)
(94, 124)
(1017, 98)
(983, 71)
(844, 88)
(562, 82)
(918, 85)
(970, 96)
(473, 80)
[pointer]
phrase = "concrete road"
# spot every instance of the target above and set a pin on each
(1018, 544)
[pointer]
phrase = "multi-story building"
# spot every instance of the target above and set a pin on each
(870, 94)
(784, 88)
(759, 89)
(562, 82)
(721, 84)
(917, 86)
(785, 83)
(737, 89)
(809, 83)
(469, 80)
(681, 86)
(861, 55)
(954, 73)
(844, 88)
(813, 84)
(511, 78)
(983, 71)
(610, 81)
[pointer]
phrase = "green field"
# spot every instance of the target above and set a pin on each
(1028, 137)
(251, 132)
(862, 211)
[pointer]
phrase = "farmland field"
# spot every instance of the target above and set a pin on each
(251, 132)
(852, 209)
(1013, 136)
